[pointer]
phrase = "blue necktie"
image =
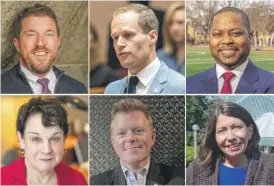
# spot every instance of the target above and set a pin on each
(133, 80)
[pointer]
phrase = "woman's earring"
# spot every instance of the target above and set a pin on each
(21, 152)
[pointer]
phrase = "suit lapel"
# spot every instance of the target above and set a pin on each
(118, 177)
(157, 84)
(249, 76)
(154, 175)
(252, 168)
(122, 86)
(210, 83)
(18, 172)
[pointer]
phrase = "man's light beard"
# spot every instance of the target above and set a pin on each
(32, 68)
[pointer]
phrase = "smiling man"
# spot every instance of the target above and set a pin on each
(37, 39)
(134, 30)
(132, 137)
(230, 45)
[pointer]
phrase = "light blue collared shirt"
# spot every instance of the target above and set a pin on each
(139, 179)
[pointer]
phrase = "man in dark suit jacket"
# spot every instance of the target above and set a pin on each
(132, 137)
(157, 174)
(230, 45)
(37, 39)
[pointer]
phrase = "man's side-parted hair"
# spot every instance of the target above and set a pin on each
(234, 10)
(35, 10)
(209, 150)
(130, 105)
(53, 114)
(147, 19)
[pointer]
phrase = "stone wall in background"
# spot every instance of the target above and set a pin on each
(73, 22)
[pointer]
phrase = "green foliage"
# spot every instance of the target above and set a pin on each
(190, 138)
(196, 111)
(190, 154)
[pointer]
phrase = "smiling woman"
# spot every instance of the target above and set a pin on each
(41, 127)
(229, 151)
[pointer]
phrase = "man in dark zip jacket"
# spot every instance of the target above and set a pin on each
(37, 39)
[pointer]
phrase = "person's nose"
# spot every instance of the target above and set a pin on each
(40, 40)
(120, 42)
(175, 26)
(227, 39)
(46, 147)
(130, 137)
(230, 135)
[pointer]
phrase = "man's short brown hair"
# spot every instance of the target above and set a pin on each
(35, 10)
(147, 19)
(130, 105)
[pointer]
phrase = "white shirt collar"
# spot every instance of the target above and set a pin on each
(238, 71)
(33, 78)
(146, 75)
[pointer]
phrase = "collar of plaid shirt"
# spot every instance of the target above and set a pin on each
(138, 179)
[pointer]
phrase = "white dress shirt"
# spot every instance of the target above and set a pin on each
(238, 72)
(35, 86)
(139, 179)
(146, 76)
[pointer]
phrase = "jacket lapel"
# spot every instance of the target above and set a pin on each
(209, 81)
(157, 84)
(122, 86)
(58, 73)
(19, 172)
(154, 176)
(249, 76)
(118, 177)
(252, 168)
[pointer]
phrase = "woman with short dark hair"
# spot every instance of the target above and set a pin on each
(229, 152)
(42, 127)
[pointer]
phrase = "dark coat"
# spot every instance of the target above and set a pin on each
(14, 81)
(157, 174)
(253, 81)
(260, 172)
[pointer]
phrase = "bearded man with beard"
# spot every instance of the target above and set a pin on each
(37, 39)
(230, 45)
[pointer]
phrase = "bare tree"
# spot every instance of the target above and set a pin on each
(236, 4)
(261, 15)
(199, 13)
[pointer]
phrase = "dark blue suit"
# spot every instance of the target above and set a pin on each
(253, 81)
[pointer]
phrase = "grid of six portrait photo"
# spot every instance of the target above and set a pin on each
(137, 92)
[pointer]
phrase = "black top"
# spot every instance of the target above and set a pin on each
(14, 81)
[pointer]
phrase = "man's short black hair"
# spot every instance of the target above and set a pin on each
(234, 10)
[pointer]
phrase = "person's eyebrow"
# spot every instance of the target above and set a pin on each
(54, 134)
(30, 30)
(36, 133)
(50, 30)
